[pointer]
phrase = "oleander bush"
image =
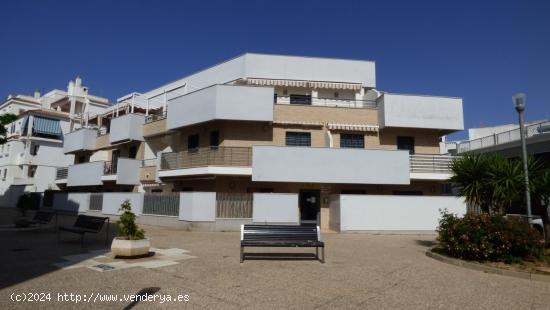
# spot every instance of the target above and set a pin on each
(484, 237)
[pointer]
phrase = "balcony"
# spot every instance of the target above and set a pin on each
(221, 102)
(128, 127)
(220, 160)
(426, 112)
(124, 172)
(102, 141)
(83, 139)
(324, 102)
(431, 167)
(535, 133)
(154, 125)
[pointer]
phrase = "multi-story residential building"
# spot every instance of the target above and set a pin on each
(310, 127)
(34, 150)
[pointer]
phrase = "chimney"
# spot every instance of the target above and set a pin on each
(36, 94)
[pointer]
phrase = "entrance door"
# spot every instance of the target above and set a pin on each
(310, 205)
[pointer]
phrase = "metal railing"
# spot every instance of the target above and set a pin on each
(208, 156)
(161, 204)
(155, 117)
(233, 205)
(109, 168)
(431, 163)
(325, 102)
(504, 137)
(61, 173)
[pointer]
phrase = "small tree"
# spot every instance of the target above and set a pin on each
(4, 120)
(127, 226)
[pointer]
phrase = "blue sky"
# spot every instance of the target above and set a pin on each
(482, 51)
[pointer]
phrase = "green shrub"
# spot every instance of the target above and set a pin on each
(482, 237)
(127, 226)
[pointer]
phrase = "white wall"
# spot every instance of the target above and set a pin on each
(221, 102)
(112, 202)
(85, 174)
(394, 213)
(275, 208)
(198, 206)
(74, 202)
(412, 111)
(329, 165)
(127, 127)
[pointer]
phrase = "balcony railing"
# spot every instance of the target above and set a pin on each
(155, 117)
(504, 137)
(325, 102)
(431, 163)
(209, 156)
(61, 173)
(109, 168)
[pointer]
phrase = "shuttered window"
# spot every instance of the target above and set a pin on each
(352, 140)
(298, 138)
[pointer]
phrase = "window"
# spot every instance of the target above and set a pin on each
(192, 142)
(156, 191)
(34, 149)
(214, 139)
(298, 138)
(32, 171)
(406, 143)
(132, 152)
(300, 99)
(81, 159)
(352, 140)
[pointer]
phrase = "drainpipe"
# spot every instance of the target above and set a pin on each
(329, 138)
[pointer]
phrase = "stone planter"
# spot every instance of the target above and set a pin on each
(130, 248)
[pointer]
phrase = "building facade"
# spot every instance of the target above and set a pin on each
(34, 149)
(261, 124)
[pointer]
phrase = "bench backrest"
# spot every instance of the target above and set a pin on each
(43, 216)
(279, 233)
(94, 223)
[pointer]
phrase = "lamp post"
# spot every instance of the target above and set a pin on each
(519, 103)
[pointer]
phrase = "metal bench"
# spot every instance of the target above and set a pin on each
(282, 236)
(87, 224)
(42, 217)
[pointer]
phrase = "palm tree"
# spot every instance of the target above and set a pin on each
(470, 173)
(505, 180)
(4, 120)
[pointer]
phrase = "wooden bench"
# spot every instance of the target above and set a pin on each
(282, 236)
(87, 224)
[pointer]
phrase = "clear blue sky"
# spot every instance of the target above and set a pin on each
(480, 52)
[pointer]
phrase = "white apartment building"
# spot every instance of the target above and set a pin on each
(34, 150)
(269, 139)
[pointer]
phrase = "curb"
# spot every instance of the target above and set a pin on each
(479, 267)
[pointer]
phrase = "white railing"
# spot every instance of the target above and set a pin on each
(326, 102)
(431, 163)
(504, 137)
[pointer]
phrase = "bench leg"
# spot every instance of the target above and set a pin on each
(317, 252)
(323, 252)
(242, 253)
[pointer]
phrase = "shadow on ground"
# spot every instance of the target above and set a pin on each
(27, 254)
(426, 243)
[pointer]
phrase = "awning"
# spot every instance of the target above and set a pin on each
(352, 127)
(46, 126)
(301, 83)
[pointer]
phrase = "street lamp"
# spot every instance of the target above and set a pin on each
(519, 104)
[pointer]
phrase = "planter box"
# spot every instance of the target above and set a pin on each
(129, 248)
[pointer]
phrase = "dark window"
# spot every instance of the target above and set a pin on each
(406, 143)
(193, 142)
(32, 171)
(300, 99)
(353, 192)
(274, 98)
(298, 138)
(81, 159)
(352, 140)
(156, 191)
(132, 152)
(214, 138)
(408, 193)
(34, 149)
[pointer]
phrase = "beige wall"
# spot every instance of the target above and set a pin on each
(154, 128)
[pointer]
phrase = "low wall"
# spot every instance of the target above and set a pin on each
(112, 202)
(392, 213)
(71, 202)
(197, 206)
(275, 208)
